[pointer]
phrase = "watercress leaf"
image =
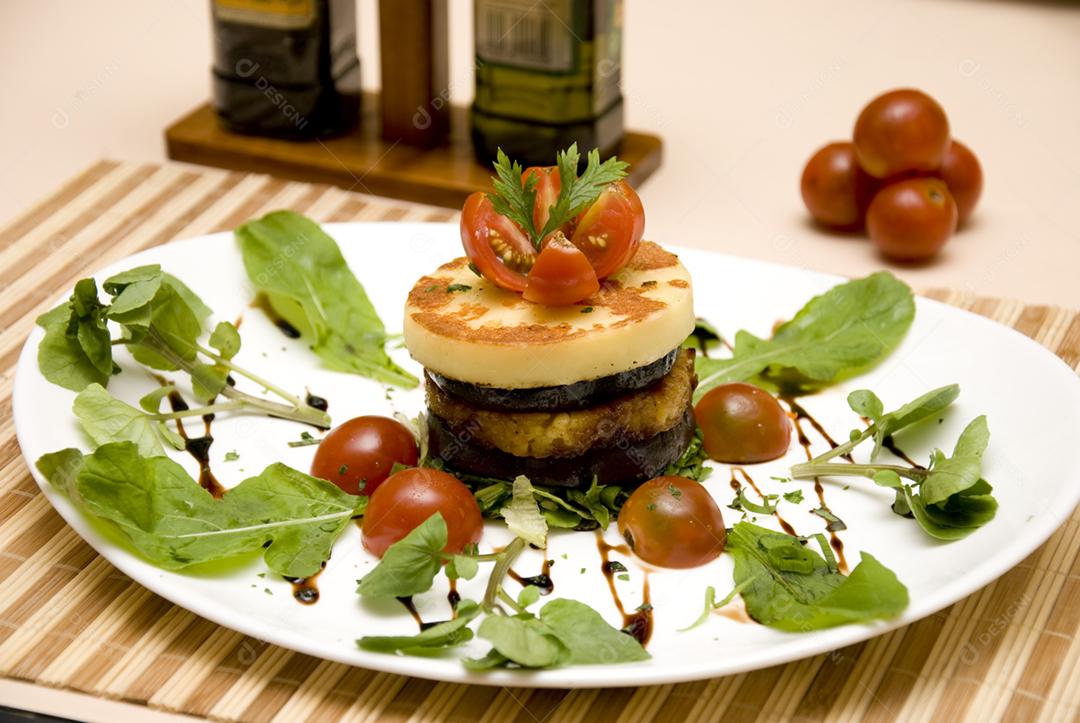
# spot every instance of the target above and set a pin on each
(62, 470)
(175, 322)
(915, 411)
(226, 339)
(288, 256)
(170, 436)
(61, 358)
(958, 517)
(463, 567)
(691, 463)
(207, 380)
(888, 478)
(815, 596)
(950, 475)
(151, 402)
(106, 419)
(834, 336)
(442, 635)
(409, 566)
(489, 661)
(132, 292)
(866, 404)
(190, 299)
(523, 516)
(523, 640)
(173, 522)
(529, 595)
(587, 636)
(591, 500)
(115, 284)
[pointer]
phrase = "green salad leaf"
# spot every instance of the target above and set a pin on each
(106, 419)
(834, 336)
(173, 522)
(788, 586)
(447, 634)
(301, 270)
(523, 516)
(408, 566)
(867, 404)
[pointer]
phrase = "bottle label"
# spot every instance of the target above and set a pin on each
(278, 14)
(526, 34)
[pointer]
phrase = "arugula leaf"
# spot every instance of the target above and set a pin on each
(523, 516)
(834, 336)
(514, 197)
(448, 634)
(704, 337)
(789, 587)
(864, 402)
(300, 268)
(408, 566)
(106, 419)
(173, 522)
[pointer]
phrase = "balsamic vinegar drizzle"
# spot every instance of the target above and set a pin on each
(542, 581)
(198, 447)
(316, 402)
(262, 302)
(452, 597)
(639, 623)
(800, 415)
(890, 445)
(736, 486)
(304, 589)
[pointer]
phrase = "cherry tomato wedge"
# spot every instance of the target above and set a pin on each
(499, 248)
(548, 185)
(405, 500)
(673, 522)
(742, 424)
(561, 275)
(359, 454)
(609, 231)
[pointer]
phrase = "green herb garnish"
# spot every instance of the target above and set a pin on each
(453, 288)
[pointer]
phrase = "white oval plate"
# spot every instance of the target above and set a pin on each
(1031, 398)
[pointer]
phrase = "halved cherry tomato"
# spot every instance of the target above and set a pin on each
(561, 275)
(609, 231)
(673, 522)
(497, 245)
(548, 185)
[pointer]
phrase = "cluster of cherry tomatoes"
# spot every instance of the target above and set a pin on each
(902, 178)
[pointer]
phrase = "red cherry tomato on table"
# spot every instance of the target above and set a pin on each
(561, 275)
(359, 454)
(609, 231)
(911, 220)
(963, 175)
(407, 499)
(499, 248)
(742, 424)
(835, 189)
(902, 130)
(673, 522)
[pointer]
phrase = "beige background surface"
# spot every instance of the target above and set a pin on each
(742, 93)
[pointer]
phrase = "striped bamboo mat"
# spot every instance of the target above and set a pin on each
(68, 619)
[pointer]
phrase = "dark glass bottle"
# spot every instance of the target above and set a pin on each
(547, 75)
(286, 68)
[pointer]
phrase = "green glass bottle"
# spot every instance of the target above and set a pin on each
(547, 75)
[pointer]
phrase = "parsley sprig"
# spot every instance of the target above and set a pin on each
(515, 197)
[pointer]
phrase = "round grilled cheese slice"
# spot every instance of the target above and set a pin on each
(466, 328)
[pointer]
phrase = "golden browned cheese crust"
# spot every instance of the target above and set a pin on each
(631, 418)
(466, 328)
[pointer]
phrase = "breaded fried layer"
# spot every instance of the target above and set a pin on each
(629, 418)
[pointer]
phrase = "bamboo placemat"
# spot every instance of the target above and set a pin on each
(68, 619)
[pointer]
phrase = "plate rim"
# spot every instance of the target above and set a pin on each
(803, 645)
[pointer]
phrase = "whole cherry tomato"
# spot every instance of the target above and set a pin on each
(963, 175)
(673, 522)
(911, 220)
(902, 130)
(835, 189)
(742, 424)
(561, 275)
(359, 454)
(408, 498)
